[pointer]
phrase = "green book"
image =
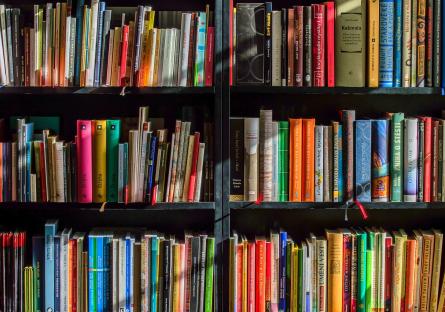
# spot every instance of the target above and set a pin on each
(396, 169)
(370, 266)
(113, 136)
(208, 296)
(361, 271)
(283, 160)
(300, 278)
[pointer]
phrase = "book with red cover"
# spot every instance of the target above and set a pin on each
(43, 173)
(84, 162)
(347, 254)
(290, 47)
(239, 277)
(260, 276)
(388, 272)
(73, 277)
(123, 54)
(330, 43)
(435, 161)
(427, 160)
(298, 26)
(269, 257)
(192, 181)
(210, 51)
(318, 45)
(251, 277)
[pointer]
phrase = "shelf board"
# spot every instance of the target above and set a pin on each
(311, 206)
(107, 90)
(259, 89)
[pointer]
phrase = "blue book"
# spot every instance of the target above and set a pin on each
(151, 166)
(386, 68)
(27, 132)
(92, 273)
(57, 273)
(78, 54)
(50, 232)
(282, 280)
(100, 23)
(128, 273)
(410, 158)
(363, 160)
(38, 263)
(100, 273)
(200, 50)
(380, 164)
(154, 272)
(397, 43)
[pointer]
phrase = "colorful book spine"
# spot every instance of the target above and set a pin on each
(113, 136)
(361, 271)
(208, 305)
(363, 160)
(99, 133)
(421, 48)
(307, 178)
(427, 163)
(372, 14)
(348, 118)
(99, 275)
(50, 232)
(406, 43)
(92, 274)
(84, 162)
(154, 272)
(410, 160)
(398, 43)
(330, 43)
(319, 163)
(268, 44)
(338, 186)
(380, 165)
(396, 170)
(386, 64)
(199, 78)
(283, 160)
(318, 45)
(282, 269)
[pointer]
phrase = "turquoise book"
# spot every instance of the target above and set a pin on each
(397, 43)
(50, 232)
(363, 160)
(113, 136)
(154, 272)
(92, 267)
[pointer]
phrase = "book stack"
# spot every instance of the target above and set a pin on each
(112, 271)
(393, 159)
(358, 43)
(93, 46)
(345, 270)
(98, 167)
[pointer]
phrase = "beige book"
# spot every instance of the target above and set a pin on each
(152, 35)
(157, 52)
(188, 167)
(59, 171)
(169, 168)
(418, 269)
(397, 274)
(251, 133)
(85, 40)
(115, 65)
(51, 168)
(199, 172)
(437, 261)
(174, 165)
(266, 157)
(110, 58)
(33, 188)
(427, 263)
(182, 161)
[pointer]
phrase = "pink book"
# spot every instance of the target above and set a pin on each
(193, 173)
(84, 162)
(209, 56)
(182, 278)
(330, 43)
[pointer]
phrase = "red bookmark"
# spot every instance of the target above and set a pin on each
(259, 199)
(362, 209)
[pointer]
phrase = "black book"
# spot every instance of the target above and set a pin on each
(268, 45)
(420, 148)
(17, 48)
(283, 47)
(237, 159)
(167, 268)
(202, 270)
(307, 46)
(437, 49)
(250, 19)
(194, 287)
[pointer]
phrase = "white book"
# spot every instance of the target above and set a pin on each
(251, 134)
(162, 52)
(199, 172)
(67, 50)
(275, 163)
(3, 79)
(4, 41)
(32, 79)
(410, 156)
(276, 48)
(37, 38)
(9, 36)
(167, 45)
(48, 44)
(319, 163)
(322, 275)
(122, 262)
(92, 45)
(184, 49)
(176, 57)
(266, 150)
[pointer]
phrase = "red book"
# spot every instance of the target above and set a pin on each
(251, 277)
(435, 161)
(347, 254)
(290, 47)
(429, 44)
(239, 277)
(269, 257)
(231, 42)
(84, 162)
(427, 160)
(124, 52)
(318, 45)
(330, 43)
(192, 183)
(260, 276)
(298, 21)
(73, 243)
(210, 50)
(43, 173)
(388, 272)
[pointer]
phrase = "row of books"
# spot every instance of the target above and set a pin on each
(98, 167)
(345, 270)
(391, 43)
(395, 159)
(92, 46)
(107, 270)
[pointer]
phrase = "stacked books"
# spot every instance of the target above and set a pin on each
(345, 270)
(98, 167)
(110, 271)
(92, 46)
(396, 158)
(391, 43)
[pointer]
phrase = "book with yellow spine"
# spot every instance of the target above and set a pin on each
(99, 160)
(335, 270)
(294, 279)
(373, 43)
(176, 276)
(397, 273)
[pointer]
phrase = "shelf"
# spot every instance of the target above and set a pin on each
(107, 91)
(331, 206)
(333, 91)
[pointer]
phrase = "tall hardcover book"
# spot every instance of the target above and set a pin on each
(396, 164)
(290, 35)
(283, 162)
(251, 134)
(337, 159)
(84, 161)
(266, 146)
(307, 176)
(112, 155)
(437, 47)
(429, 43)
(380, 187)
(276, 48)
(268, 44)
(298, 44)
(362, 160)
(319, 163)
(284, 47)
(398, 29)
(335, 270)
(373, 31)
(406, 43)
(307, 46)
(99, 132)
(386, 58)
(421, 48)
(330, 43)
(50, 232)
(237, 159)
(318, 45)
(295, 159)
(350, 47)
(410, 160)
(348, 118)
(250, 43)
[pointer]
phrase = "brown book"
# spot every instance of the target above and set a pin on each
(290, 47)
(298, 17)
(192, 46)
(427, 264)
(437, 261)
(429, 43)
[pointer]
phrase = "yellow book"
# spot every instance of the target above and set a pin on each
(99, 160)
(176, 276)
(373, 43)
(143, 73)
(441, 304)
(437, 260)
(398, 270)
(156, 74)
(85, 40)
(294, 279)
(427, 264)
(335, 270)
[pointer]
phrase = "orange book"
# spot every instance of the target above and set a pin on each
(410, 279)
(335, 271)
(260, 275)
(295, 159)
(307, 174)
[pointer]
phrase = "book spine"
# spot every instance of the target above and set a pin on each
(319, 163)
(282, 272)
(99, 134)
(123, 56)
(210, 51)
(396, 164)
(284, 47)
(414, 10)
(420, 160)
(398, 30)
(266, 153)
(318, 45)
(421, 49)
(268, 45)
(276, 48)
(435, 161)
(260, 276)
(307, 46)
(330, 43)
(380, 164)
(50, 232)
(251, 134)
(112, 155)
(437, 48)
(327, 163)
(268, 268)
(348, 118)
(99, 276)
(410, 161)
(298, 49)
(92, 273)
(308, 160)
(373, 43)
(84, 161)
(429, 43)
(283, 160)
(386, 60)
(427, 160)
(411, 249)
(237, 159)
(210, 249)
(99, 44)
(57, 273)
(275, 161)
(406, 44)
(361, 271)
(290, 47)
(335, 271)
(200, 50)
(425, 283)
(337, 177)
(363, 160)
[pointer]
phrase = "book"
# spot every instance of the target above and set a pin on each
(386, 37)
(251, 134)
(373, 37)
(410, 160)
(380, 187)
